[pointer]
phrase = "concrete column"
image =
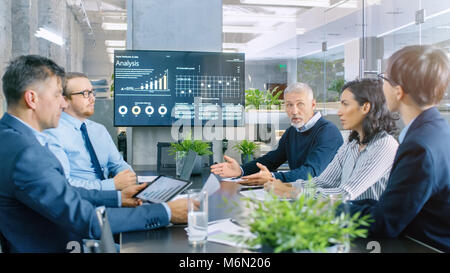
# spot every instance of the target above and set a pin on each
(190, 25)
(52, 15)
(5, 44)
(24, 26)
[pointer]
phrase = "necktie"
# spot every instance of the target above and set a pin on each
(94, 159)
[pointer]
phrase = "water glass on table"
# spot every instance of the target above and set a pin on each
(197, 216)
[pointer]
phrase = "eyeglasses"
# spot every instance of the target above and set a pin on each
(85, 93)
(383, 77)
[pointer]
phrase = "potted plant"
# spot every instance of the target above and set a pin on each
(254, 98)
(247, 150)
(273, 99)
(305, 224)
(180, 150)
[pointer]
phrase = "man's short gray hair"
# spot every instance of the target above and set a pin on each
(299, 87)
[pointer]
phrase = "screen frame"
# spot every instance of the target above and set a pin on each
(184, 187)
(194, 125)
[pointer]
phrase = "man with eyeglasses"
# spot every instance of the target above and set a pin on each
(84, 147)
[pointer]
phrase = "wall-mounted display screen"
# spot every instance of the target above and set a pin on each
(157, 88)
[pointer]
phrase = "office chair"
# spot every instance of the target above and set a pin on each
(106, 244)
(165, 162)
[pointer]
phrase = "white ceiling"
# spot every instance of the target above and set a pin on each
(336, 25)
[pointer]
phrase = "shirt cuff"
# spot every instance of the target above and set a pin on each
(108, 185)
(119, 199)
(242, 172)
(167, 210)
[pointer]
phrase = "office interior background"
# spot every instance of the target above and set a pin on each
(319, 42)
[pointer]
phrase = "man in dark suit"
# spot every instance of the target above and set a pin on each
(416, 201)
(39, 210)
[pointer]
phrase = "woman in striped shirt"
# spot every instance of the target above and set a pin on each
(361, 167)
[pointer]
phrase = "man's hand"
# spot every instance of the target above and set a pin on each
(124, 179)
(179, 211)
(230, 168)
(127, 195)
(258, 178)
(281, 189)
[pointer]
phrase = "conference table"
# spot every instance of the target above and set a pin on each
(226, 203)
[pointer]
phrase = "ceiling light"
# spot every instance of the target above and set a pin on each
(300, 31)
(111, 49)
(242, 29)
(49, 36)
(443, 27)
(259, 17)
(300, 3)
(114, 26)
(233, 45)
(395, 29)
(115, 43)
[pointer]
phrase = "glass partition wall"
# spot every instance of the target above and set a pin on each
(333, 42)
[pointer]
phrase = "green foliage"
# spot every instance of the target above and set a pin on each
(198, 146)
(306, 223)
(246, 147)
(272, 98)
(254, 98)
(336, 85)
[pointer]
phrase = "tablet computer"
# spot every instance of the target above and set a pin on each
(162, 189)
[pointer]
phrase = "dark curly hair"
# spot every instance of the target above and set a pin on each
(379, 117)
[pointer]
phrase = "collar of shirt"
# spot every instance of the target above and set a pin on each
(402, 135)
(73, 121)
(42, 138)
(310, 123)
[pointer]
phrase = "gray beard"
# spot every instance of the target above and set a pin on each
(298, 125)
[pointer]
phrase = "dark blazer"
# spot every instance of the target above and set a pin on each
(40, 211)
(416, 201)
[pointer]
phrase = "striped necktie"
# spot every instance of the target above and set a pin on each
(94, 159)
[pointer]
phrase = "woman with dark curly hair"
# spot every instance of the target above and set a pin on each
(361, 167)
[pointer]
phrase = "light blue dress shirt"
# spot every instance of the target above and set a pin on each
(67, 144)
(402, 134)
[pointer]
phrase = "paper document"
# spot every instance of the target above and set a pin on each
(146, 178)
(211, 185)
(259, 194)
(224, 232)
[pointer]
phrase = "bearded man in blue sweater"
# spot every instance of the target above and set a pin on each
(308, 145)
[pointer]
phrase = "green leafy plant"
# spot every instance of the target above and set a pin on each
(198, 146)
(336, 85)
(254, 98)
(246, 147)
(305, 224)
(273, 98)
(257, 99)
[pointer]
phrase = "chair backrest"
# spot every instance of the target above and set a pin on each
(165, 162)
(107, 244)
